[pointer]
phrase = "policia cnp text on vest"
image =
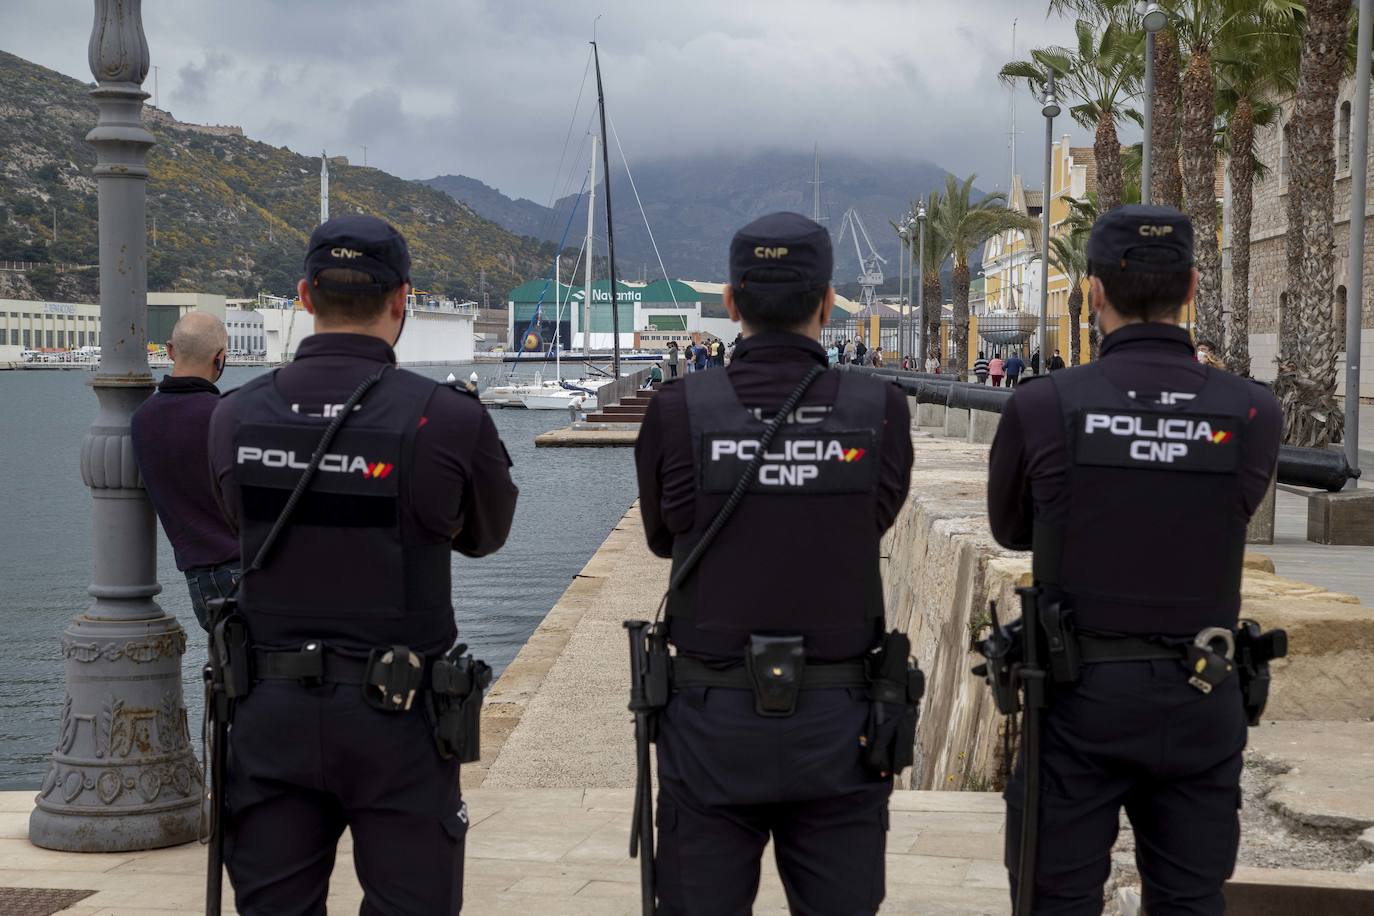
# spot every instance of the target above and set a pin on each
(1133, 479)
(349, 616)
(770, 719)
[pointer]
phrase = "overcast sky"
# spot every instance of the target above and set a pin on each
(487, 89)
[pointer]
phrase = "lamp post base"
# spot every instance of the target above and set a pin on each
(123, 776)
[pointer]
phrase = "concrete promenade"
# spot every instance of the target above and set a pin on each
(550, 852)
(550, 802)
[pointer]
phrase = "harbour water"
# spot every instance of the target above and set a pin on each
(569, 500)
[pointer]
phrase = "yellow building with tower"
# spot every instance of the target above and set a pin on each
(1013, 270)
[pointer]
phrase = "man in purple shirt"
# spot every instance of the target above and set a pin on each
(170, 434)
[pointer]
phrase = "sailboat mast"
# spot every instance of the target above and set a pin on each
(610, 232)
(557, 316)
(587, 269)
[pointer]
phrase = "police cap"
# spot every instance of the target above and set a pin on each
(362, 243)
(783, 243)
(1142, 238)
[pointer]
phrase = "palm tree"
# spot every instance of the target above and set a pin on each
(933, 259)
(1307, 384)
(965, 225)
(1103, 72)
(1069, 253)
(1249, 74)
(1203, 26)
(1166, 182)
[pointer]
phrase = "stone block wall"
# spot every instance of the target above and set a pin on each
(941, 568)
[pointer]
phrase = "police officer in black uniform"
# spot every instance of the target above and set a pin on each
(1133, 479)
(791, 584)
(352, 608)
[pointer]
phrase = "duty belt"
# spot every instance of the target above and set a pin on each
(1206, 667)
(311, 663)
(689, 672)
(1095, 649)
(391, 677)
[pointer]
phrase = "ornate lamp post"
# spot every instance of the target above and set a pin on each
(1354, 308)
(123, 775)
(902, 233)
(921, 288)
(1153, 19)
(1050, 109)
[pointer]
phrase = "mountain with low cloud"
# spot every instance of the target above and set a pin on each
(232, 215)
(694, 205)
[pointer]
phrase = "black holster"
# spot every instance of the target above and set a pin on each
(1254, 651)
(776, 666)
(231, 649)
(1003, 649)
(895, 688)
(458, 683)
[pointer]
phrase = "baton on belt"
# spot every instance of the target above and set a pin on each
(1032, 678)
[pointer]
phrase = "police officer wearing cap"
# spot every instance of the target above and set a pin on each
(353, 606)
(1133, 479)
(764, 734)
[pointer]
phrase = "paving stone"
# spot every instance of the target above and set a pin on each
(969, 845)
(547, 885)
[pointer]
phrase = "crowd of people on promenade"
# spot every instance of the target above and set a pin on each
(696, 356)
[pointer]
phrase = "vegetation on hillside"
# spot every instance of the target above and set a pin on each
(232, 215)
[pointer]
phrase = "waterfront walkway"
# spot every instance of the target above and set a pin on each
(552, 852)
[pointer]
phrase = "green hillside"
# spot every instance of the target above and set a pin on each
(232, 214)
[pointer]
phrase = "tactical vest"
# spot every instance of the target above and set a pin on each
(341, 571)
(1171, 473)
(800, 554)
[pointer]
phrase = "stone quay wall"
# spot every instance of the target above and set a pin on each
(557, 716)
(942, 568)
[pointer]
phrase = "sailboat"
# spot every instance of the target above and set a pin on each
(565, 392)
(560, 393)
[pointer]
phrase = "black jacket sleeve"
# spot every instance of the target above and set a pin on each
(1010, 510)
(462, 475)
(663, 467)
(894, 480)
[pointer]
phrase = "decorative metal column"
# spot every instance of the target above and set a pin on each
(1050, 109)
(123, 775)
(921, 342)
(1354, 297)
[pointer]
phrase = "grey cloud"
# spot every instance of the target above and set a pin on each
(194, 80)
(486, 87)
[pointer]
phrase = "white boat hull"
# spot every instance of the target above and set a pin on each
(557, 400)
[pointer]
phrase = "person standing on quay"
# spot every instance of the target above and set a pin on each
(1153, 627)
(735, 767)
(1014, 368)
(169, 432)
(980, 368)
(996, 369)
(351, 617)
(672, 358)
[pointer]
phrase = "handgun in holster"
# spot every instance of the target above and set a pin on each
(895, 688)
(1254, 651)
(1002, 649)
(231, 649)
(458, 683)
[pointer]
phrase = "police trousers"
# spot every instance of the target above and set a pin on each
(1135, 735)
(305, 762)
(730, 778)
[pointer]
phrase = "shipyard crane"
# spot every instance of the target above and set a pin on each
(870, 266)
